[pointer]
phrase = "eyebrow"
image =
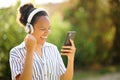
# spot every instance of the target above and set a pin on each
(41, 26)
(44, 27)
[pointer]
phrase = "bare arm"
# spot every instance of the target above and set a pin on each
(70, 52)
(28, 65)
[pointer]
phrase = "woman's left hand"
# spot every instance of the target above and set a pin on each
(69, 50)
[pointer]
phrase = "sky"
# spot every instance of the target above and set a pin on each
(7, 3)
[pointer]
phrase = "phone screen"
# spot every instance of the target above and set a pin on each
(70, 35)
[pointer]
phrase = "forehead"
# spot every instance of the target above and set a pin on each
(43, 20)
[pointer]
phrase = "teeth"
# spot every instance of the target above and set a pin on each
(44, 37)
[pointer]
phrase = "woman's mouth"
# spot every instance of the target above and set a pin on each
(43, 38)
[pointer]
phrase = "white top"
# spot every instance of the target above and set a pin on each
(48, 67)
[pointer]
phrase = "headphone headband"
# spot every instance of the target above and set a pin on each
(31, 15)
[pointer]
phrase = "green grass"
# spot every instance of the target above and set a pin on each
(87, 74)
(82, 75)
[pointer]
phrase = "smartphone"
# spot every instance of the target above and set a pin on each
(70, 35)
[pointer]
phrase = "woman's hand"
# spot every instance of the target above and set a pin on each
(30, 42)
(69, 50)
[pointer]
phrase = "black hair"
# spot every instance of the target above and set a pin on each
(24, 12)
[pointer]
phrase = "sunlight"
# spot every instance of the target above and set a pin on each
(48, 1)
(8, 3)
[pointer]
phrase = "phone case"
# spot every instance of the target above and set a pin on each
(70, 35)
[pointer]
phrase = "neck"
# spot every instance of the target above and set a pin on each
(39, 46)
(38, 49)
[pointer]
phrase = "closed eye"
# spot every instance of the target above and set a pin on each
(44, 29)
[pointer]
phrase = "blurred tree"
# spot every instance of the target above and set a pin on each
(115, 16)
(10, 35)
(90, 18)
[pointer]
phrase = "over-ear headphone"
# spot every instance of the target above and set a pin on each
(29, 28)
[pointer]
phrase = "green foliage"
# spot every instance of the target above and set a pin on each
(115, 16)
(11, 34)
(94, 32)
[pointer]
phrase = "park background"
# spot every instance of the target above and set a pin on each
(97, 23)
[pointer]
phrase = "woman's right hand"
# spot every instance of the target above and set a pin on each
(30, 42)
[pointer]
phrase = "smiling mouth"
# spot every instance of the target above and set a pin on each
(44, 38)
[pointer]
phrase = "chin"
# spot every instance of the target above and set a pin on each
(42, 43)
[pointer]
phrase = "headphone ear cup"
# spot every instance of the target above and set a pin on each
(29, 28)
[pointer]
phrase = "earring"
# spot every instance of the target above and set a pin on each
(29, 28)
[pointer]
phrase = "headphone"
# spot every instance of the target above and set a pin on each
(29, 28)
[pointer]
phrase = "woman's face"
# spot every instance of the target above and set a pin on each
(41, 29)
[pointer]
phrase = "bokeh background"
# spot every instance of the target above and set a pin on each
(97, 23)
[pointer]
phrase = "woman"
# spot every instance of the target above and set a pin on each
(34, 58)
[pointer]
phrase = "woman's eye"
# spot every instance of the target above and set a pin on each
(43, 29)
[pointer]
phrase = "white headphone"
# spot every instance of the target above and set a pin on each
(29, 28)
